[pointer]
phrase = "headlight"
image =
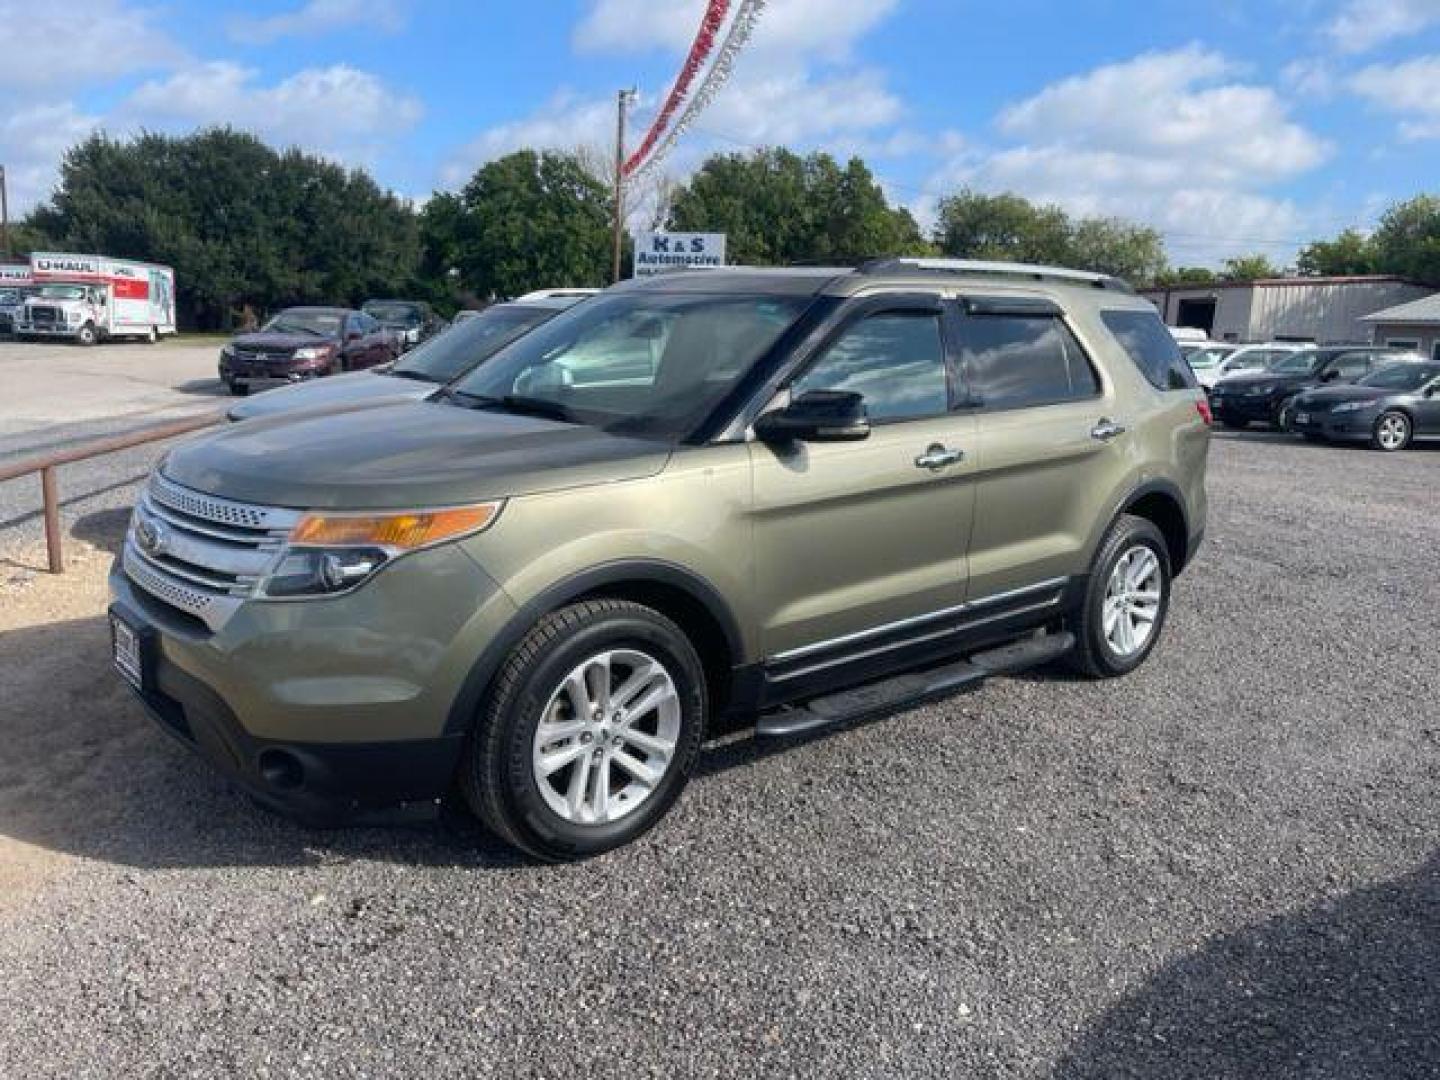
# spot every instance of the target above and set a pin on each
(1258, 391)
(312, 352)
(1353, 406)
(334, 553)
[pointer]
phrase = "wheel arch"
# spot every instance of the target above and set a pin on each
(1161, 503)
(680, 594)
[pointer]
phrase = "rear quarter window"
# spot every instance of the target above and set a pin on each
(1151, 347)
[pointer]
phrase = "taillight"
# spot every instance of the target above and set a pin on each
(1202, 406)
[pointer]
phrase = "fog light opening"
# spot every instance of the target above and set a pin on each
(281, 770)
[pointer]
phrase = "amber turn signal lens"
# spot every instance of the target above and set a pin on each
(411, 529)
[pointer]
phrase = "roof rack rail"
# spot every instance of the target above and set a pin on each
(979, 267)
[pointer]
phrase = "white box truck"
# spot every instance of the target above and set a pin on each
(14, 286)
(90, 298)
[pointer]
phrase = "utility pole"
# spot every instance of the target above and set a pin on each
(4, 216)
(622, 103)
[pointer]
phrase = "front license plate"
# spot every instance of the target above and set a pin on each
(1302, 418)
(125, 649)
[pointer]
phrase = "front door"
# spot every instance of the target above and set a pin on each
(853, 537)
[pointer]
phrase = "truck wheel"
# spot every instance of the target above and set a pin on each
(152, 336)
(589, 732)
(86, 336)
(1125, 602)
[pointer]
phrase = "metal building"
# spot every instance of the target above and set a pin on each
(1319, 309)
(1415, 325)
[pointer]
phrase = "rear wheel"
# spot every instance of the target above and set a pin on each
(590, 731)
(1126, 601)
(1392, 431)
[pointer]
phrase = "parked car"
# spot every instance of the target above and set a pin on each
(838, 492)
(1205, 359)
(1250, 359)
(1264, 396)
(411, 321)
(416, 374)
(1388, 408)
(11, 301)
(303, 343)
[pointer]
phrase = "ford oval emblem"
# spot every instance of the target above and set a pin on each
(151, 537)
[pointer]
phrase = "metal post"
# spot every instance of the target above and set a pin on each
(4, 215)
(52, 519)
(622, 100)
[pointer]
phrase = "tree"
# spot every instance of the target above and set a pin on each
(778, 208)
(1249, 268)
(1187, 275)
(532, 220)
(1408, 240)
(1011, 228)
(241, 224)
(1352, 252)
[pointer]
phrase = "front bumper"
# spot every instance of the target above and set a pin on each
(1339, 427)
(331, 710)
(1243, 408)
(46, 330)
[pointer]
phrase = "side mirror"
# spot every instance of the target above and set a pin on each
(816, 416)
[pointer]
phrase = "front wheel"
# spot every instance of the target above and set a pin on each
(1392, 431)
(590, 731)
(1126, 600)
(86, 335)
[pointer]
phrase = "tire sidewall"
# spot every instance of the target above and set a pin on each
(530, 813)
(1127, 533)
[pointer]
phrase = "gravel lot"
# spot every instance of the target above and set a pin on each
(1227, 865)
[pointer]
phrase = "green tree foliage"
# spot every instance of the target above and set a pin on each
(1408, 240)
(778, 208)
(1249, 268)
(241, 224)
(526, 221)
(1187, 275)
(1352, 252)
(1008, 227)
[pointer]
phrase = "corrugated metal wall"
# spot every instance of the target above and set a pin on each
(1323, 311)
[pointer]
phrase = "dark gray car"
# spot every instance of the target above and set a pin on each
(418, 373)
(1387, 408)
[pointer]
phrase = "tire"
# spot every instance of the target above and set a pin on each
(238, 389)
(152, 336)
(1096, 656)
(87, 335)
(1392, 431)
(501, 771)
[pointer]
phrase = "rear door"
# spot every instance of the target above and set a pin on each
(859, 542)
(1052, 440)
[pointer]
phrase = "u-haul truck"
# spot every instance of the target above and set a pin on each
(90, 298)
(14, 285)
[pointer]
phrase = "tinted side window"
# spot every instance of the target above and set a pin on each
(896, 360)
(1143, 336)
(1012, 362)
(1351, 365)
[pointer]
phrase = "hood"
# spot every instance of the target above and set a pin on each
(1334, 395)
(274, 339)
(1246, 380)
(336, 392)
(400, 456)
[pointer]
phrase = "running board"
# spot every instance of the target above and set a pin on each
(912, 688)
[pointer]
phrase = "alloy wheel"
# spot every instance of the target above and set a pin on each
(1132, 601)
(1392, 431)
(607, 737)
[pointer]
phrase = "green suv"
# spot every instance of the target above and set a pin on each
(782, 497)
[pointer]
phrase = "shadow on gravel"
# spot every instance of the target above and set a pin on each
(84, 771)
(203, 387)
(1347, 988)
(1260, 435)
(104, 529)
(65, 502)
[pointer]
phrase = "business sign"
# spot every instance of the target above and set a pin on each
(46, 264)
(15, 274)
(657, 252)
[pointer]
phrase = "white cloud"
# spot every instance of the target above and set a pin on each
(80, 42)
(1409, 90)
(825, 28)
(319, 17)
(565, 122)
(337, 110)
(1361, 25)
(34, 139)
(1172, 139)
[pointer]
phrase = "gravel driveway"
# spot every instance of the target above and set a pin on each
(1226, 865)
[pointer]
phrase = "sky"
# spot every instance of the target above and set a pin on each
(1231, 126)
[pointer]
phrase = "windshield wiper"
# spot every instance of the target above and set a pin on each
(524, 406)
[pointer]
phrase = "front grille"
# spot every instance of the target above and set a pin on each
(41, 314)
(201, 554)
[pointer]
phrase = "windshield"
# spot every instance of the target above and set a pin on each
(1208, 358)
(445, 358)
(305, 321)
(1296, 363)
(393, 313)
(62, 292)
(646, 363)
(1401, 376)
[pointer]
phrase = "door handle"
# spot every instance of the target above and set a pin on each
(1106, 430)
(938, 456)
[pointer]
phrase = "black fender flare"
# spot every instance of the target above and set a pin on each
(1156, 486)
(619, 572)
